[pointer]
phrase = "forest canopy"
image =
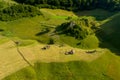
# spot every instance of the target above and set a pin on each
(111, 5)
(18, 11)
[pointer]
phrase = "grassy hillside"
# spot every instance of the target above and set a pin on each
(39, 24)
(11, 61)
(34, 26)
(57, 13)
(53, 64)
(105, 67)
(50, 19)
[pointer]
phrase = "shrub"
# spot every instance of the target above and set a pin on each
(1, 30)
(51, 41)
(69, 18)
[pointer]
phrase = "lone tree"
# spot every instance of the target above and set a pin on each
(51, 41)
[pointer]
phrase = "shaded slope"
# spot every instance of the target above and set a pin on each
(109, 32)
(99, 14)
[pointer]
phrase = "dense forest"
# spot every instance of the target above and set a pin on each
(75, 4)
(18, 11)
(28, 8)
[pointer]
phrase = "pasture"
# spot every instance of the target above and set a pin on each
(52, 63)
(33, 53)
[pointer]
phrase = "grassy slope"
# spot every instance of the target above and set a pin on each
(102, 16)
(11, 61)
(50, 18)
(58, 13)
(110, 31)
(8, 1)
(34, 25)
(106, 67)
(90, 42)
(103, 68)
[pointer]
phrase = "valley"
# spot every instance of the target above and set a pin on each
(40, 41)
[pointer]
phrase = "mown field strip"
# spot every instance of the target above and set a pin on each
(11, 61)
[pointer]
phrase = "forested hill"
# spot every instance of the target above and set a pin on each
(75, 4)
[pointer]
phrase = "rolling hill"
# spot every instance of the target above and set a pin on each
(102, 65)
(23, 53)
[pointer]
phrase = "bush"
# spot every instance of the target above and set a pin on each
(51, 41)
(69, 18)
(1, 30)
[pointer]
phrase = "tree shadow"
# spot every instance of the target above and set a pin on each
(43, 32)
(1, 30)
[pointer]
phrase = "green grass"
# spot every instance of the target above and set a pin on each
(58, 13)
(3, 40)
(90, 42)
(25, 74)
(26, 28)
(69, 40)
(106, 67)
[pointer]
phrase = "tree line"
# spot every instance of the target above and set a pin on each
(75, 4)
(18, 11)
